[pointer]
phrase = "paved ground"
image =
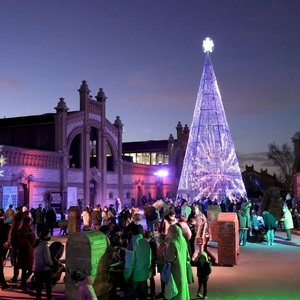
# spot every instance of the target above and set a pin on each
(263, 272)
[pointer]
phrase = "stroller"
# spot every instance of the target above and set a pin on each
(56, 252)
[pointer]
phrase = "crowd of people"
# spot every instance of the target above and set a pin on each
(259, 224)
(139, 251)
(23, 236)
(175, 233)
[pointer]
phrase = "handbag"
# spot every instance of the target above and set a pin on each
(171, 289)
(166, 272)
(189, 273)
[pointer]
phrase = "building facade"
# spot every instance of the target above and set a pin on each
(256, 183)
(55, 159)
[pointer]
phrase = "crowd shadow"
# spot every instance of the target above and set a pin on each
(282, 241)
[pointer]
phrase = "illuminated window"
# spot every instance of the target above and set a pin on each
(166, 159)
(160, 158)
(153, 159)
(93, 148)
(133, 155)
(143, 158)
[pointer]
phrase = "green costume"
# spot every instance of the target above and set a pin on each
(177, 255)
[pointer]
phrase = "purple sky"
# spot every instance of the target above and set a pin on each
(148, 58)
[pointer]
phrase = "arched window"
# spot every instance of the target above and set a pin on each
(75, 152)
(109, 159)
(94, 148)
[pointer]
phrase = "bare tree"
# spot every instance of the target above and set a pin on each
(284, 158)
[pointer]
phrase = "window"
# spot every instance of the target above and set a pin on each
(143, 158)
(149, 158)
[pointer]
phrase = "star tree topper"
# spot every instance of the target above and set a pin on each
(208, 45)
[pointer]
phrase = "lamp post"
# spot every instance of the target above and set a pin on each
(161, 173)
(29, 179)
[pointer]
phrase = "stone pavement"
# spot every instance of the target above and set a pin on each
(263, 272)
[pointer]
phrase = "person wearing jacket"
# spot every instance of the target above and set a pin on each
(50, 219)
(270, 224)
(137, 263)
(148, 235)
(203, 271)
(39, 220)
(42, 264)
(26, 240)
(287, 222)
(106, 216)
(244, 222)
(86, 219)
(97, 217)
(178, 256)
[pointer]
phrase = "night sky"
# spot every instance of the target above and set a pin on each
(148, 58)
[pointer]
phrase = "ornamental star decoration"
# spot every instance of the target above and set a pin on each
(208, 45)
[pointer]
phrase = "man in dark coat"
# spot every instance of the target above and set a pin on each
(50, 219)
(40, 220)
(113, 210)
(124, 217)
(97, 217)
(151, 217)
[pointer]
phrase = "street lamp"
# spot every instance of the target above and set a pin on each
(161, 173)
(29, 179)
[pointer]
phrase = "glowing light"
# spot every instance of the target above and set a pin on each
(161, 173)
(2, 161)
(208, 45)
(210, 167)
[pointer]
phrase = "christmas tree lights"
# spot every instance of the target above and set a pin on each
(210, 167)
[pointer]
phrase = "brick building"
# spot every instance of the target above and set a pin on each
(57, 158)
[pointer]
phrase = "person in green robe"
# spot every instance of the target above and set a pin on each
(177, 254)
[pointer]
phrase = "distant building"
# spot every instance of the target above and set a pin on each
(161, 152)
(256, 183)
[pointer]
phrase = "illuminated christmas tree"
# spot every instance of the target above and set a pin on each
(210, 167)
